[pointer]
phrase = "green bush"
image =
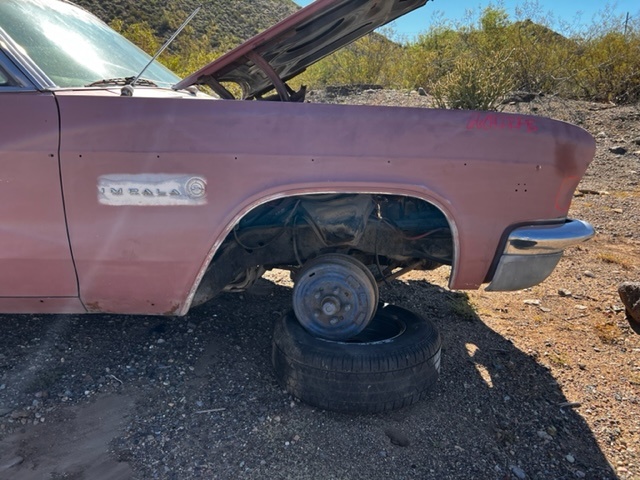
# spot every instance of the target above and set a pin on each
(373, 59)
(609, 69)
(475, 83)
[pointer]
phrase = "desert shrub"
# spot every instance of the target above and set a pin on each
(475, 83)
(475, 63)
(477, 73)
(432, 56)
(609, 68)
(373, 59)
(539, 57)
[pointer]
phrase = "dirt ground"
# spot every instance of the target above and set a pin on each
(538, 384)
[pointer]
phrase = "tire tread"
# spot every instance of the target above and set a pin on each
(358, 377)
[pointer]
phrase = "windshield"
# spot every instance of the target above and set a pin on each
(74, 48)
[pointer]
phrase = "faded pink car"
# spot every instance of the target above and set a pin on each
(154, 198)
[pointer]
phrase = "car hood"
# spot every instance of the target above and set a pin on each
(298, 41)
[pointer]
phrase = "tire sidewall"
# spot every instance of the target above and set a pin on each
(416, 330)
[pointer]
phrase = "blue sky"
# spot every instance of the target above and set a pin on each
(566, 15)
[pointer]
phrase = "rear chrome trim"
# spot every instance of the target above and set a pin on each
(543, 240)
(532, 253)
(516, 272)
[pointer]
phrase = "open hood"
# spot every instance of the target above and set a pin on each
(283, 51)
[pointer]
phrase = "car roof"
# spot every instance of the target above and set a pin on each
(297, 42)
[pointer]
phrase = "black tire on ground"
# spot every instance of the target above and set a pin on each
(393, 363)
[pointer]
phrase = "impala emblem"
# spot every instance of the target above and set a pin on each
(152, 190)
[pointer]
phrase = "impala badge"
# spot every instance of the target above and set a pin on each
(152, 189)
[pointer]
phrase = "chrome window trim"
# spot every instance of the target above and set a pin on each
(20, 83)
(21, 67)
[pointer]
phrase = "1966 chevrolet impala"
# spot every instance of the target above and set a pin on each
(125, 189)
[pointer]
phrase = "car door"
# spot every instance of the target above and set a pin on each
(35, 257)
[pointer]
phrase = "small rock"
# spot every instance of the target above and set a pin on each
(544, 435)
(581, 307)
(570, 458)
(422, 92)
(19, 414)
(580, 474)
(618, 150)
(545, 309)
(601, 135)
(617, 210)
(532, 302)
(589, 274)
(629, 293)
(636, 141)
(397, 437)
(589, 191)
(564, 293)
(518, 472)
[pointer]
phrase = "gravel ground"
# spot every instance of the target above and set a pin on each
(538, 384)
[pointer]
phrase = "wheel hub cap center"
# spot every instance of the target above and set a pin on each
(330, 306)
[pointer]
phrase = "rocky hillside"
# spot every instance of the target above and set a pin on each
(233, 20)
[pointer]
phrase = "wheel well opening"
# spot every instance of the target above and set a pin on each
(391, 234)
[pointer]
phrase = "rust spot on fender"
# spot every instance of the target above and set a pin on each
(93, 307)
(565, 160)
(172, 310)
(565, 193)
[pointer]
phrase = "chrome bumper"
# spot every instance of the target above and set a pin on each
(531, 253)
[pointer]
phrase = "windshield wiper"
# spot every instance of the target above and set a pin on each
(120, 82)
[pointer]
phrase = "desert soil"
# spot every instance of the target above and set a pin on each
(539, 384)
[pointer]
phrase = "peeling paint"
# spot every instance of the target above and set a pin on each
(152, 189)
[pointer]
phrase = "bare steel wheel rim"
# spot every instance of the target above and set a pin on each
(335, 296)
